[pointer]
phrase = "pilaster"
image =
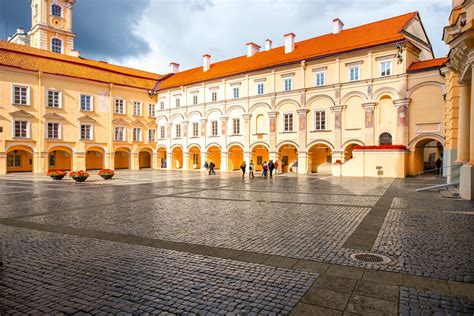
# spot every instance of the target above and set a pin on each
(463, 122)
(272, 140)
(402, 121)
(337, 110)
(302, 129)
(369, 131)
(247, 131)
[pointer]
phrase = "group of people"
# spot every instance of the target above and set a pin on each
(267, 168)
(210, 167)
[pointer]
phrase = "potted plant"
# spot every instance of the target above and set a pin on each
(57, 174)
(106, 174)
(338, 162)
(79, 176)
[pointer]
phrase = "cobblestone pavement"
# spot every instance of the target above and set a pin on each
(292, 222)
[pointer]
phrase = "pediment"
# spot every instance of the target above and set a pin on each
(120, 121)
(86, 119)
(53, 116)
(20, 113)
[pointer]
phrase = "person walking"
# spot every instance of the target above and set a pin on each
(212, 165)
(275, 164)
(206, 165)
(271, 166)
(243, 166)
(265, 169)
(251, 167)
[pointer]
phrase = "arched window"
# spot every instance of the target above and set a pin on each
(56, 10)
(56, 45)
(259, 124)
(385, 139)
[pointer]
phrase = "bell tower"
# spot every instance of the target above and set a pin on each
(51, 26)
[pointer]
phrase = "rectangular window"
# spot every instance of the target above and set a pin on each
(86, 132)
(86, 102)
(195, 99)
(320, 78)
(14, 161)
(52, 130)
(137, 134)
(288, 122)
(177, 102)
(354, 73)
(385, 68)
(52, 160)
(320, 120)
(162, 132)
(236, 126)
(151, 135)
(21, 95)
(151, 110)
(119, 106)
(288, 83)
(213, 128)
(137, 108)
(22, 129)
(195, 129)
(162, 105)
(54, 99)
(196, 159)
(178, 130)
(260, 88)
(214, 96)
(236, 92)
(119, 133)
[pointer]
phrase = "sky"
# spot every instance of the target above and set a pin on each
(149, 34)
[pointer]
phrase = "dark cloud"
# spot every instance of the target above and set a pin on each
(106, 29)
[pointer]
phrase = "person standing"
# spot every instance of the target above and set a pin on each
(243, 166)
(251, 167)
(275, 164)
(265, 169)
(271, 166)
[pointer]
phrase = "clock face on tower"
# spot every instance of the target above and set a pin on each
(57, 22)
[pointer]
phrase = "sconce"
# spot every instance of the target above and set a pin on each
(152, 93)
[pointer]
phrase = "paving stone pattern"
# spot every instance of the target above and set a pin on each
(416, 302)
(46, 273)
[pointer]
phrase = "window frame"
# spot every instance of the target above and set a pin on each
(235, 92)
(136, 134)
(354, 67)
(59, 99)
(214, 128)
(91, 131)
(151, 132)
(381, 68)
(287, 87)
(52, 45)
(27, 129)
(235, 126)
(320, 128)
(59, 132)
(151, 110)
(195, 127)
(91, 102)
(177, 102)
(177, 131)
(14, 165)
(27, 96)
(323, 74)
(137, 108)
(213, 96)
(53, 5)
(262, 86)
(195, 99)
(162, 105)
(123, 133)
(122, 105)
(162, 132)
(291, 123)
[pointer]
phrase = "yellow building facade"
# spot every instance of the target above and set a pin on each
(308, 104)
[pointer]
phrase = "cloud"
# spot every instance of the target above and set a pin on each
(148, 34)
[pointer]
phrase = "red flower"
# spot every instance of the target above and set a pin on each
(399, 147)
(79, 174)
(56, 173)
(106, 172)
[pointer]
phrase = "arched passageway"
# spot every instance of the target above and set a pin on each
(236, 157)
(427, 156)
(19, 159)
(162, 157)
(260, 155)
(349, 151)
(214, 154)
(320, 159)
(177, 158)
(60, 158)
(144, 159)
(288, 158)
(122, 159)
(94, 159)
(194, 158)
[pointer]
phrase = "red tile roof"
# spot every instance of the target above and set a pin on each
(28, 58)
(427, 64)
(373, 34)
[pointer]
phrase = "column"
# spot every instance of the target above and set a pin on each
(337, 110)
(302, 162)
(369, 131)
(135, 160)
(224, 161)
(272, 139)
(184, 132)
(3, 164)
(157, 160)
(471, 127)
(203, 134)
(247, 132)
(223, 133)
(302, 130)
(185, 160)
(40, 162)
(169, 159)
(78, 160)
(248, 157)
(109, 162)
(463, 123)
(402, 121)
(203, 158)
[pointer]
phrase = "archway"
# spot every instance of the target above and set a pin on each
(144, 159)
(320, 159)
(177, 158)
(19, 159)
(348, 151)
(427, 156)
(194, 158)
(236, 156)
(288, 157)
(214, 154)
(162, 157)
(94, 159)
(122, 158)
(260, 154)
(60, 158)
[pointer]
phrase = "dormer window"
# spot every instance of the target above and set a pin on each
(56, 45)
(56, 10)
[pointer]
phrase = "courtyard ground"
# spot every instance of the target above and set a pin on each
(184, 242)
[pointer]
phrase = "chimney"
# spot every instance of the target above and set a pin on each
(337, 26)
(20, 30)
(268, 44)
(252, 49)
(289, 42)
(174, 67)
(206, 62)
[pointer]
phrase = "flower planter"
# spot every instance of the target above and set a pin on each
(57, 177)
(79, 179)
(106, 176)
(57, 174)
